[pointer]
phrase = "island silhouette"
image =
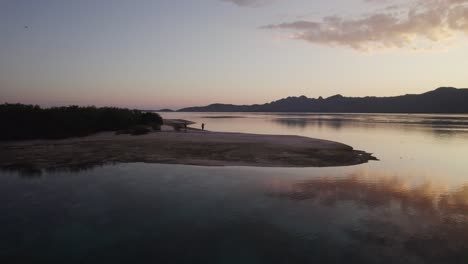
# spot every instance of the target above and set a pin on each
(442, 100)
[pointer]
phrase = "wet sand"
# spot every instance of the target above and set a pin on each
(193, 147)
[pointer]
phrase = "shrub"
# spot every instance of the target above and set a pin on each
(139, 130)
(20, 122)
(149, 118)
(156, 126)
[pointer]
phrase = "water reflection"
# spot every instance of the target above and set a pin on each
(25, 170)
(184, 214)
(304, 122)
(29, 170)
(424, 223)
(446, 124)
(381, 191)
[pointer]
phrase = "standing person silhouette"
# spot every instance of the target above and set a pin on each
(203, 126)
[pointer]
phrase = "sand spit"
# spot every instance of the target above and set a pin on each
(192, 148)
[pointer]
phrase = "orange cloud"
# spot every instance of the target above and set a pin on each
(420, 25)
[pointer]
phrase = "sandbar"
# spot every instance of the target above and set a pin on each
(193, 147)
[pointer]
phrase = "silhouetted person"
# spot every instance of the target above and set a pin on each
(185, 126)
(203, 126)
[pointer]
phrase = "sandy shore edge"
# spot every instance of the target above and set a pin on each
(193, 147)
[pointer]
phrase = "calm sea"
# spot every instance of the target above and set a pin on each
(409, 207)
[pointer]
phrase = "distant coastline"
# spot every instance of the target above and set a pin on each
(444, 100)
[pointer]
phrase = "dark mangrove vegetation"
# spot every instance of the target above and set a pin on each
(22, 122)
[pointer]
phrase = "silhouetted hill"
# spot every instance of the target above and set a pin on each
(441, 100)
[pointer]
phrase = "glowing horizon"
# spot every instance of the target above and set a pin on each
(174, 53)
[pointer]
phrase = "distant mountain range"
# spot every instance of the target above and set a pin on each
(441, 100)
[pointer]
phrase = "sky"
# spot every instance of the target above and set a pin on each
(152, 54)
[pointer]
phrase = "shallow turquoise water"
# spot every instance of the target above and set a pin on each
(409, 207)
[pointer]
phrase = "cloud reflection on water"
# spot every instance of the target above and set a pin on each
(423, 223)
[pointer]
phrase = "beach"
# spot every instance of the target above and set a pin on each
(191, 147)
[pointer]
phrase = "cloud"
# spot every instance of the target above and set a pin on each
(248, 3)
(422, 24)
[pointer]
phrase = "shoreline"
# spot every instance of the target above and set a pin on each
(194, 147)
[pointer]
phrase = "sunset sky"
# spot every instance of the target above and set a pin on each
(152, 54)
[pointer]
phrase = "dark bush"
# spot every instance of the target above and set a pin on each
(139, 130)
(150, 118)
(21, 122)
(156, 126)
